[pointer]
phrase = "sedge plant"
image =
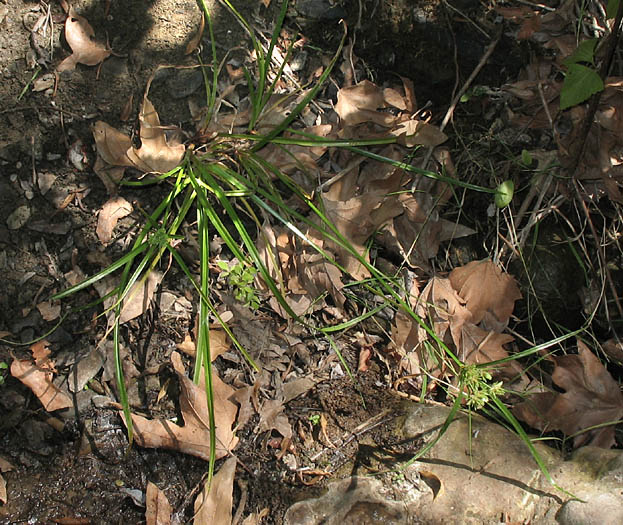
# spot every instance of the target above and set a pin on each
(224, 184)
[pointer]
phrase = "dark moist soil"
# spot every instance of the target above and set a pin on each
(54, 478)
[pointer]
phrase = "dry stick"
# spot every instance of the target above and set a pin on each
(462, 91)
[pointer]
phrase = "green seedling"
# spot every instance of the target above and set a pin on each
(240, 279)
(3, 366)
(314, 419)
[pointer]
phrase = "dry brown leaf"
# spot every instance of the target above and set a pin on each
(113, 209)
(214, 503)
(3, 496)
(484, 287)
(115, 149)
(40, 382)
(196, 40)
(140, 296)
(49, 311)
(357, 218)
(187, 346)
(273, 418)
(80, 37)
(440, 304)
(478, 346)
(592, 397)
(413, 133)
(194, 437)
(5, 466)
(614, 350)
(41, 353)
(155, 154)
(359, 103)
(158, 509)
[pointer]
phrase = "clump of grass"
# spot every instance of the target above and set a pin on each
(227, 178)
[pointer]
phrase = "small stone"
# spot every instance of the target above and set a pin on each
(18, 218)
(184, 83)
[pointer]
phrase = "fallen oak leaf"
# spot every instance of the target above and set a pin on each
(591, 398)
(483, 287)
(116, 151)
(194, 437)
(80, 37)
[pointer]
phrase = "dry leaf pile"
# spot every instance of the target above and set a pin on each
(468, 310)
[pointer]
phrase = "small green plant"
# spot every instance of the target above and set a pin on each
(314, 419)
(478, 389)
(3, 366)
(240, 278)
(582, 80)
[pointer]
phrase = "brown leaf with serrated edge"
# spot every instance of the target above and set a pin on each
(157, 507)
(359, 103)
(80, 37)
(357, 218)
(214, 503)
(484, 287)
(113, 209)
(194, 437)
(443, 307)
(591, 398)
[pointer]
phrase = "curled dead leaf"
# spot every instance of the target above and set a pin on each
(85, 49)
(115, 151)
(194, 437)
(114, 209)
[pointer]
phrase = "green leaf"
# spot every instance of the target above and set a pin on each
(580, 84)
(613, 7)
(504, 193)
(585, 52)
(526, 157)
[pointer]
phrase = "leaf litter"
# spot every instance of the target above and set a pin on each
(468, 310)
